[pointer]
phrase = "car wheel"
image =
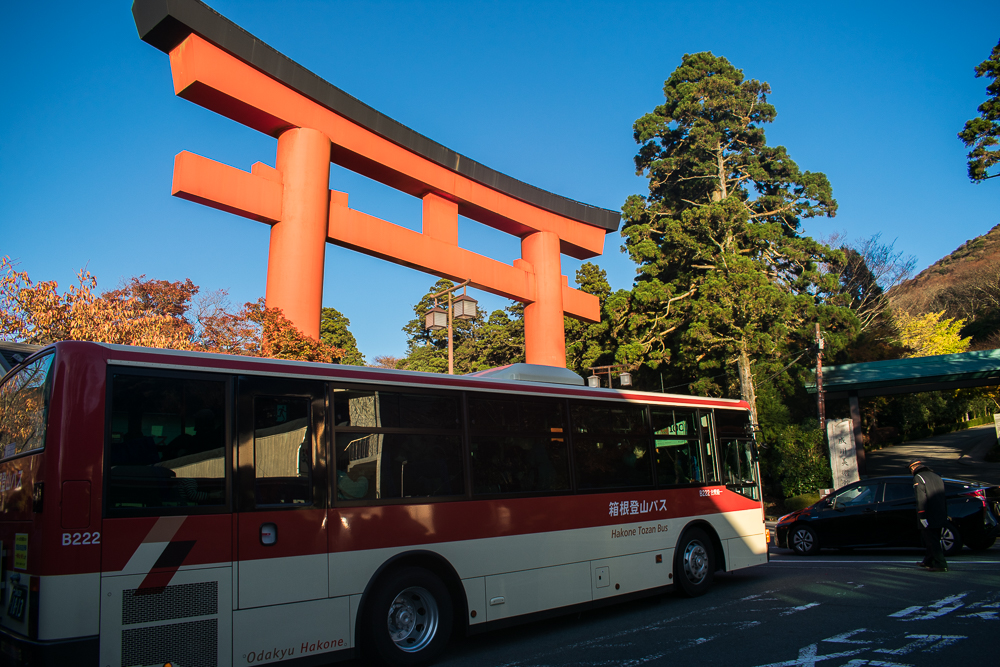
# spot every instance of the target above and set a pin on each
(694, 563)
(804, 541)
(981, 543)
(407, 620)
(951, 541)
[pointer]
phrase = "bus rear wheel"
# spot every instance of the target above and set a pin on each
(694, 563)
(408, 619)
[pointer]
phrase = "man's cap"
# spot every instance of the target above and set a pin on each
(917, 465)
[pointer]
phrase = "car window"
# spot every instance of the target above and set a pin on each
(862, 494)
(894, 492)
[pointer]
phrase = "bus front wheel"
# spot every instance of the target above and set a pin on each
(694, 563)
(408, 619)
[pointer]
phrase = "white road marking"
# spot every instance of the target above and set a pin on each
(809, 656)
(799, 561)
(906, 612)
(934, 610)
(802, 608)
(924, 643)
(845, 637)
(699, 640)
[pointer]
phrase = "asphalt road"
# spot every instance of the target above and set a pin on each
(957, 455)
(871, 607)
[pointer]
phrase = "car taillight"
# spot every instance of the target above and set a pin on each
(978, 493)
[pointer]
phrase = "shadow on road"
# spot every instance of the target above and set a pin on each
(956, 455)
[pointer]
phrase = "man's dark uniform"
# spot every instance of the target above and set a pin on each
(932, 513)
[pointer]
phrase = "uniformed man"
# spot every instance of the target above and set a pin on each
(932, 513)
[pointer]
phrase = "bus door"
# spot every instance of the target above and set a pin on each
(281, 523)
(167, 534)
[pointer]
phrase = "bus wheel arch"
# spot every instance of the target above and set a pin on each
(720, 552)
(697, 556)
(416, 572)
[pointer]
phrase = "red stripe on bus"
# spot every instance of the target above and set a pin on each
(402, 525)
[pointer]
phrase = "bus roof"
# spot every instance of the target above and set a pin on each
(127, 355)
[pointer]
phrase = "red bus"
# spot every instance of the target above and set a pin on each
(195, 509)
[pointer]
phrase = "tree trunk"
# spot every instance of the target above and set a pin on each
(746, 384)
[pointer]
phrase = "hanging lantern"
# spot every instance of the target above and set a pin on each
(626, 379)
(594, 381)
(436, 318)
(464, 307)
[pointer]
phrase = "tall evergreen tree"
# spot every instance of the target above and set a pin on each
(725, 276)
(479, 344)
(333, 330)
(982, 133)
(601, 343)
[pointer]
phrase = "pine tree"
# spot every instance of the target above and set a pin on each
(725, 276)
(982, 133)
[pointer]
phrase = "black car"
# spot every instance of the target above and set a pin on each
(882, 512)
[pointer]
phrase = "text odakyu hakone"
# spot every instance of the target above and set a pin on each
(272, 654)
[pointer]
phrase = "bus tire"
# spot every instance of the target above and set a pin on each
(694, 563)
(408, 619)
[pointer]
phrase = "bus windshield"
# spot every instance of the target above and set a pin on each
(24, 402)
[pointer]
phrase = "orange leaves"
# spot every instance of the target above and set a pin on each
(147, 313)
(259, 331)
(37, 313)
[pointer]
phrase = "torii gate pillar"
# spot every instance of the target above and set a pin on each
(298, 241)
(544, 334)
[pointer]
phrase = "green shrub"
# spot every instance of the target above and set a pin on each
(799, 460)
(799, 502)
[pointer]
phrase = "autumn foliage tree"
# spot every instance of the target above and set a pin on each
(148, 313)
(931, 334)
(37, 313)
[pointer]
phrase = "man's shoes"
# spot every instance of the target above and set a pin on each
(924, 564)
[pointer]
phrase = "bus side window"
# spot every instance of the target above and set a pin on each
(392, 445)
(282, 443)
(517, 445)
(678, 448)
(610, 446)
(166, 449)
(24, 405)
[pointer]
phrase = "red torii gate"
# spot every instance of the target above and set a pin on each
(221, 67)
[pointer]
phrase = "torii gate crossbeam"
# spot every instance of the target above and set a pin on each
(254, 85)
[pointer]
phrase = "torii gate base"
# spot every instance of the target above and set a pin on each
(253, 84)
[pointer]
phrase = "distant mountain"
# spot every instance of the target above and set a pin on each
(965, 284)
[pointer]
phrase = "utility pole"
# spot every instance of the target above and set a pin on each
(820, 399)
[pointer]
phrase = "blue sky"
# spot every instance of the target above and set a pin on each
(872, 94)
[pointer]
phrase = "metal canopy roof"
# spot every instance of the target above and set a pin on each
(910, 376)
